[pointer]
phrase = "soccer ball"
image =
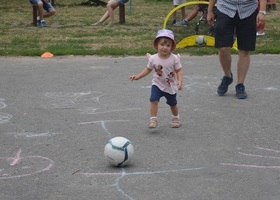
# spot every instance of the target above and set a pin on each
(200, 41)
(119, 151)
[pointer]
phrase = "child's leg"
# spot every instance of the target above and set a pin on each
(153, 113)
(154, 109)
(172, 102)
(174, 110)
(176, 123)
(156, 94)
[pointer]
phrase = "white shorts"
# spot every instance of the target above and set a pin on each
(178, 2)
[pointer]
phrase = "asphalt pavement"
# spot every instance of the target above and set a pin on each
(57, 114)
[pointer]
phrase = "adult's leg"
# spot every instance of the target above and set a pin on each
(224, 30)
(225, 60)
(40, 10)
(243, 65)
(246, 39)
(111, 6)
(193, 13)
(175, 13)
(183, 12)
(49, 9)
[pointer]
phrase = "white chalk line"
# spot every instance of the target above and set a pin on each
(123, 173)
(103, 124)
(258, 156)
(139, 172)
(110, 111)
(32, 134)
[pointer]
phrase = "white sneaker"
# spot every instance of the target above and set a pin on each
(260, 34)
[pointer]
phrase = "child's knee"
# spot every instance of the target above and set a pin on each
(172, 102)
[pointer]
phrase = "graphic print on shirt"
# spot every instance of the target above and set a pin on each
(158, 70)
(169, 78)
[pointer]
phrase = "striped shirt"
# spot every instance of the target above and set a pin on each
(245, 8)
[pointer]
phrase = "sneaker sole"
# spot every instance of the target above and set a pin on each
(241, 96)
(180, 25)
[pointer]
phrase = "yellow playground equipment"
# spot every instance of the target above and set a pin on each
(189, 40)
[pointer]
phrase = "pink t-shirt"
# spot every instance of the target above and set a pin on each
(164, 75)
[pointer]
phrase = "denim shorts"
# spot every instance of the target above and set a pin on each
(156, 94)
(47, 6)
(122, 1)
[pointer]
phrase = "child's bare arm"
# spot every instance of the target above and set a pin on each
(142, 74)
(179, 74)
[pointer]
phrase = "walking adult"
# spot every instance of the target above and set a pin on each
(235, 19)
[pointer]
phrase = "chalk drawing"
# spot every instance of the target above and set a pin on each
(22, 166)
(4, 117)
(262, 157)
(95, 111)
(200, 84)
(82, 102)
(102, 122)
(2, 104)
(64, 100)
(270, 88)
(32, 135)
(123, 174)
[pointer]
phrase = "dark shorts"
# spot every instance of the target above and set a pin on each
(156, 94)
(202, 7)
(226, 29)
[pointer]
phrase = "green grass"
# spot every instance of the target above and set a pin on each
(69, 32)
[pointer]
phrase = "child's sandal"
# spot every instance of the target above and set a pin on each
(175, 123)
(152, 123)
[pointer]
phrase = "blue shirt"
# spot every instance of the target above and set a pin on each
(245, 8)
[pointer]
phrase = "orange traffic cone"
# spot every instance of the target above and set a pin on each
(47, 55)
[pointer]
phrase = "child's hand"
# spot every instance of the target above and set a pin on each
(179, 85)
(133, 77)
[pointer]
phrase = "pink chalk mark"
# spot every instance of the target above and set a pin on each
(16, 159)
(39, 170)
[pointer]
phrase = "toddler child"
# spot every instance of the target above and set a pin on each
(167, 76)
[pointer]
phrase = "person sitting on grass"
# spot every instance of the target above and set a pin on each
(41, 6)
(194, 12)
(175, 4)
(109, 14)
